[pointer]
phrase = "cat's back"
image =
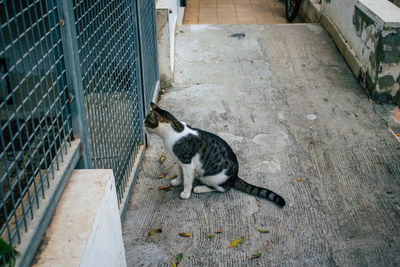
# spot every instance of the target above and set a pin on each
(216, 155)
(209, 146)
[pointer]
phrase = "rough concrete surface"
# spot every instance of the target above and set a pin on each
(284, 99)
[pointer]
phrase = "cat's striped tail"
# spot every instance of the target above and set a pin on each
(258, 191)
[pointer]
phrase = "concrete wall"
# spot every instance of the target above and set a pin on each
(165, 59)
(168, 15)
(368, 34)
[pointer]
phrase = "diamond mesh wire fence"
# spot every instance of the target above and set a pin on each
(35, 123)
(55, 54)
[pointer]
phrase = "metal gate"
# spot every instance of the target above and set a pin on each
(75, 79)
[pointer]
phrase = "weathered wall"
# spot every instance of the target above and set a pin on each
(377, 26)
(167, 37)
(368, 34)
(164, 57)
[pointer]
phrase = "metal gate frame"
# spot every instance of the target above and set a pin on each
(151, 87)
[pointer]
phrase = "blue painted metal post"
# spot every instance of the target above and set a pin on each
(74, 80)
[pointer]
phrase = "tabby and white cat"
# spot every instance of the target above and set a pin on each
(201, 155)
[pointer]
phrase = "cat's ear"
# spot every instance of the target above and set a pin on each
(153, 106)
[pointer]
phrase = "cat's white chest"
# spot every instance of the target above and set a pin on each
(170, 137)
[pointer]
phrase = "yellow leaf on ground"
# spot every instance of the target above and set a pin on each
(263, 231)
(162, 175)
(185, 235)
(162, 158)
(173, 176)
(173, 264)
(237, 242)
(155, 231)
(298, 179)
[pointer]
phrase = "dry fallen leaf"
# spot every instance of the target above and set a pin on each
(262, 231)
(237, 242)
(173, 176)
(298, 179)
(185, 235)
(256, 255)
(155, 231)
(164, 187)
(380, 161)
(219, 230)
(162, 175)
(162, 158)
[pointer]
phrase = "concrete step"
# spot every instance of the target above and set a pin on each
(86, 227)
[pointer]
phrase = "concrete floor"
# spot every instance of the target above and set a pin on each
(285, 100)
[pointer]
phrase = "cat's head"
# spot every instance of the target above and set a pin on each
(159, 119)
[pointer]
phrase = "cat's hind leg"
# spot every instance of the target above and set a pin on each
(214, 181)
(203, 189)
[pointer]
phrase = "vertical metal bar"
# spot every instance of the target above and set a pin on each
(140, 64)
(157, 78)
(74, 79)
(140, 49)
(139, 85)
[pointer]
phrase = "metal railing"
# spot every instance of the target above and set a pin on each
(75, 80)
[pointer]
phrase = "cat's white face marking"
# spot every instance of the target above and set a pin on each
(168, 134)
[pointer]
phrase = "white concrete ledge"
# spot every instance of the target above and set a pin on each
(382, 12)
(86, 227)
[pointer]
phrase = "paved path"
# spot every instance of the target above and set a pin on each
(285, 100)
(235, 12)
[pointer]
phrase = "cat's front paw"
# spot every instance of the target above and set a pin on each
(185, 195)
(176, 182)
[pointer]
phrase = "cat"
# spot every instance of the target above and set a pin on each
(201, 155)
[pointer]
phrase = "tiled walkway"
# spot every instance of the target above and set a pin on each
(235, 12)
